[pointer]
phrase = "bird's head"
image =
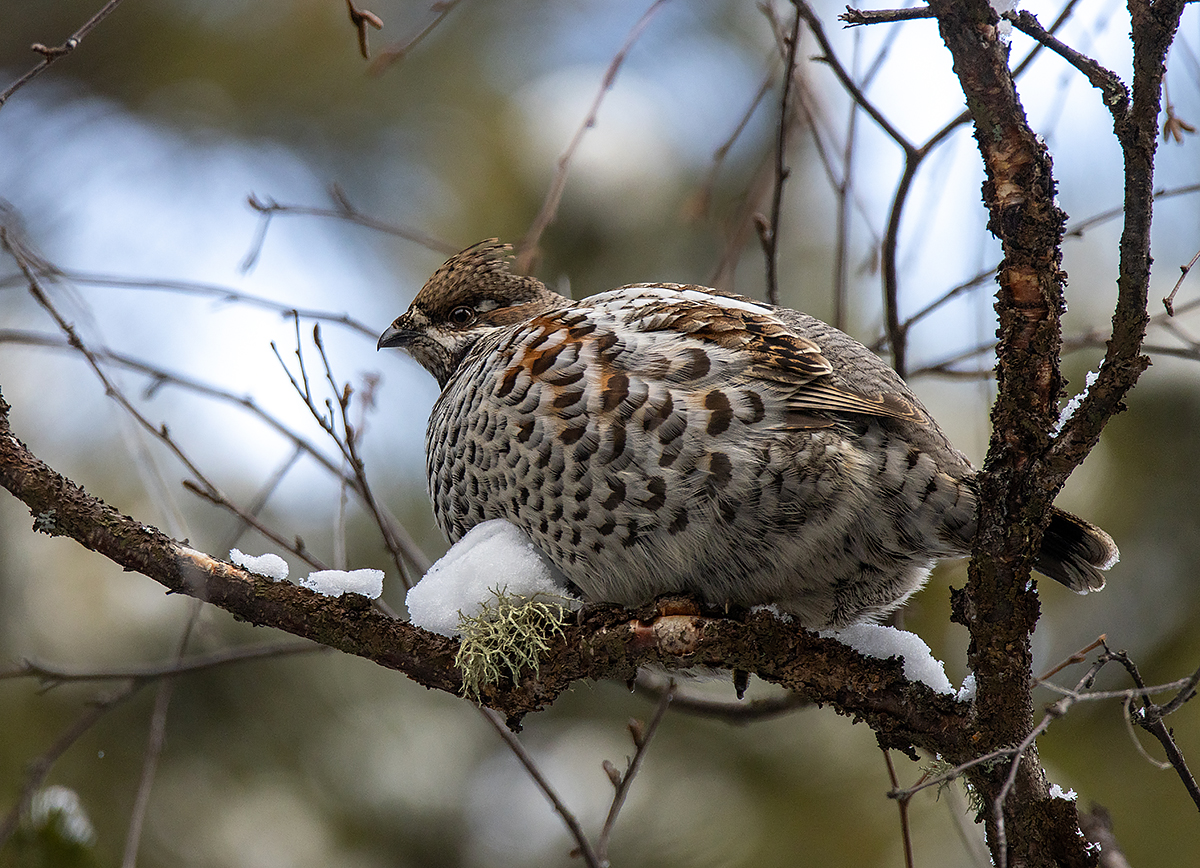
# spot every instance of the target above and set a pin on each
(472, 295)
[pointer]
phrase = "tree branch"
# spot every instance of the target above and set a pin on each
(51, 54)
(604, 644)
(999, 605)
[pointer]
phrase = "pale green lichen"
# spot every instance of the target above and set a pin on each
(506, 637)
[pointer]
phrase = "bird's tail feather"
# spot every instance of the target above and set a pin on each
(1075, 551)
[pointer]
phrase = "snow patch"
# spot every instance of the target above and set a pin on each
(334, 583)
(494, 556)
(270, 565)
(874, 640)
(1072, 405)
(1057, 792)
(774, 611)
(62, 804)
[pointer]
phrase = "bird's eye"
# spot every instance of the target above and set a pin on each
(461, 315)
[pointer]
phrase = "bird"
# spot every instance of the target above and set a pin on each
(676, 439)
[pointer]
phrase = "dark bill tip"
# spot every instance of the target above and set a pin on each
(394, 336)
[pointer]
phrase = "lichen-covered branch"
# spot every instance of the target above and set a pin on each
(1025, 465)
(999, 606)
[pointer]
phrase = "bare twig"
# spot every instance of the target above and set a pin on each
(361, 19)
(39, 769)
(641, 740)
(902, 803)
(161, 377)
(841, 258)
(1053, 712)
(740, 712)
(28, 261)
(768, 233)
(397, 540)
(52, 675)
(1078, 657)
(896, 333)
(397, 51)
(1169, 301)
(52, 54)
(698, 204)
(268, 208)
(154, 746)
(399, 545)
(1150, 718)
(1116, 94)
(527, 249)
(207, 491)
(590, 858)
(856, 17)
(188, 287)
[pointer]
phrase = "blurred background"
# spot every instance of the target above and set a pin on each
(130, 163)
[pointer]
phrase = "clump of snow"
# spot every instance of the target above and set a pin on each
(875, 640)
(272, 566)
(1072, 405)
(1057, 792)
(62, 805)
(774, 611)
(494, 556)
(334, 583)
(967, 692)
(1004, 29)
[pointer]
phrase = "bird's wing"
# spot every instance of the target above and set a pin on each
(775, 353)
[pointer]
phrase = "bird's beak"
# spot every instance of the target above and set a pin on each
(395, 336)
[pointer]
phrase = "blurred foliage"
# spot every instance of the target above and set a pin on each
(322, 760)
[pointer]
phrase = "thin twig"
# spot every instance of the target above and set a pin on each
(154, 745)
(361, 19)
(188, 287)
(739, 713)
(841, 256)
(268, 208)
(1150, 718)
(527, 249)
(396, 539)
(569, 819)
(641, 739)
(397, 51)
(768, 233)
(216, 498)
(161, 377)
(27, 261)
(50, 55)
(896, 334)
(902, 804)
(1053, 712)
(857, 17)
(398, 546)
(53, 675)
(1169, 301)
(698, 203)
(1059, 709)
(1078, 657)
(39, 769)
(1116, 94)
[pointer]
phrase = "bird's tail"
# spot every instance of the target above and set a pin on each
(1075, 551)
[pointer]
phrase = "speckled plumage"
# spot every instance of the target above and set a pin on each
(663, 438)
